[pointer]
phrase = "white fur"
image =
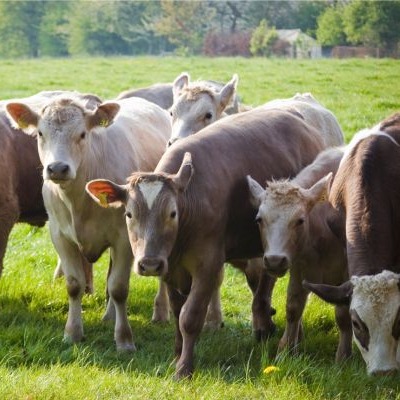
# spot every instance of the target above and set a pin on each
(150, 191)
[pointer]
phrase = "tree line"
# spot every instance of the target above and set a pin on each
(63, 28)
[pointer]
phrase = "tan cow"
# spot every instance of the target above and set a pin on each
(193, 212)
(21, 172)
(75, 145)
(198, 104)
(292, 221)
(313, 113)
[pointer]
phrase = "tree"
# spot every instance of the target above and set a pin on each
(330, 31)
(183, 23)
(372, 23)
(54, 29)
(19, 27)
(263, 39)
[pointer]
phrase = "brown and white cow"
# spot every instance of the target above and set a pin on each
(193, 212)
(295, 236)
(75, 145)
(198, 104)
(21, 173)
(313, 113)
(366, 196)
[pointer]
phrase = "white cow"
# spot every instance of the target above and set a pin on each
(313, 113)
(75, 145)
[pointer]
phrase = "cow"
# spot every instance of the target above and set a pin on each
(162, 93)
(77, 144)
(313, 113)
(291, 215)
(365, 195)
(193, 213)
(21, 172)
(198, 104)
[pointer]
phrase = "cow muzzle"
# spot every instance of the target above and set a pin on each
(151, 266)
(58, 171)
(276, 265)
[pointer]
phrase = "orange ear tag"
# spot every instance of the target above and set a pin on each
(104, 123)
(22, 124)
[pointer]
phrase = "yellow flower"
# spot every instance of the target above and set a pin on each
(270, 369)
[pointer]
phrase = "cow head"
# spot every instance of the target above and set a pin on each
(152, 213)
(375, 313)
(63, 128)
(197, 105)
(283, 218)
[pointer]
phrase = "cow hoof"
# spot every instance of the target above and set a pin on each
(213, 325)
(126, 348)
(160, 318)
(264, 334)
(71, 339)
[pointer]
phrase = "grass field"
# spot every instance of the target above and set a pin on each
(36, 364)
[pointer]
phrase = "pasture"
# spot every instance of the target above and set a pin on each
(230, 364)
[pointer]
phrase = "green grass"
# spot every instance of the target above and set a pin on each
(36, 364)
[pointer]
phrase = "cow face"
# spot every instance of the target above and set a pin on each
(152, 213)
(283, 219)
(63, 128)
(375, 314)
(197, 106)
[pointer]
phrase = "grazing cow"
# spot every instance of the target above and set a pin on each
(75, 145)
(292, 221)
(193, 212)
(366, 197)
(20, 174)
(198, 104)
(313, 113)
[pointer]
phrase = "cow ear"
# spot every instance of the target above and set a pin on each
(336, 222)
(227, 92)
(256, 192)
(103, 115)
(107, 193)
(180, 83)
(318, 192)
(339, 295)
(22, 117)
(183, 176)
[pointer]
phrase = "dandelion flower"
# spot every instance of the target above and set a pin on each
(271, 369)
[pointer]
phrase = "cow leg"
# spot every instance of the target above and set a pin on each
(88, 269)
(214, 318)
(8, 217)
(295, 303)
(161, 304)
(71, 259)
(261, 285)
(109, 314)
(118, 287)
(343, 320)
(193, 312)
(177, 301)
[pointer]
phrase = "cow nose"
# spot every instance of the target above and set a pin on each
(151, 266)
(57, 170)
(276, 264)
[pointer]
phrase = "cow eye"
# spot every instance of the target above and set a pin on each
(128, 214)
(300, 222)
(83, 134)
(173, 214)
(258, 220)
(208, 115)
(40, 133)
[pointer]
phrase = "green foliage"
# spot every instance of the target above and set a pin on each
(263, 39)
(34, 362)
(330, 30)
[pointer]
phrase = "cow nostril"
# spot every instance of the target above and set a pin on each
(159, 267)
(141, 266)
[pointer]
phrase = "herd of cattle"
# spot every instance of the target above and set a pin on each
(188, 179)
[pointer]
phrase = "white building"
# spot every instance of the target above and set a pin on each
(301, 45)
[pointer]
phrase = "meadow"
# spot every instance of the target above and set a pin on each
(34, 361)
